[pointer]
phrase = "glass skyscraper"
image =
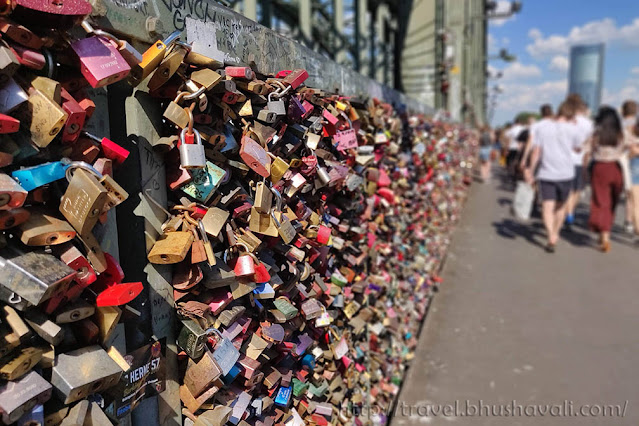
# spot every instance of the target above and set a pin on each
(586, 73)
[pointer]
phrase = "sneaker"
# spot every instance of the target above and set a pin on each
(570, 219)
(550, 248)
(629, 228)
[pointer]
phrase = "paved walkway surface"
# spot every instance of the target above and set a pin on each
(516, 326)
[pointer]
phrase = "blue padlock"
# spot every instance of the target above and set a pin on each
(308, 361)
(230, 144)
(34, 177)
(283, 396)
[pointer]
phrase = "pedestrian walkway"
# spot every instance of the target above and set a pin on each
(513, 323)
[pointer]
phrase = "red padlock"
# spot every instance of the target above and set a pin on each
(296, 77)
(255, 157)
(110, 149)
(240, 72)
(323, 234)
(229, 98)
(13, 218)
(28, 57)
(76, 119)
(245, 264)
(111, 276)
(261, 274)
(119, 294)
(8, 124)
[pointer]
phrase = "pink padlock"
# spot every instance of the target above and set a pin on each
(296, 77)
(101, 63)
(240, 72)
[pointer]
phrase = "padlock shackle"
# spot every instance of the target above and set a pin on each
(192, 95)
(172, 38)
(81, 165)
(198, 137)
(183, 44)
(108, 36)
(278, 199)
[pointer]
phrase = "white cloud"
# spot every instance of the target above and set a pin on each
(534, 33)
(634, 71)
(519, 97)
(517, 70)
(601, 31)
(503, 7)
(559, 63)
(615, 99)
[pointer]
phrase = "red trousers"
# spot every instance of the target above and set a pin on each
(607, 183)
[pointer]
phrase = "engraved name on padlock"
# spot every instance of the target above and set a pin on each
(84, 201)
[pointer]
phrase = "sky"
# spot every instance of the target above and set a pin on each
(540, 37)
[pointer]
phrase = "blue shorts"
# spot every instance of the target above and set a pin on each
(634, 170)
(484, 153)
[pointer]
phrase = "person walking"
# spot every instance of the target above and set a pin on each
(631, 138)
(584, 128)
(553, 141)
(514, 147)
(485, 151)
(606, 148)
(629, 117)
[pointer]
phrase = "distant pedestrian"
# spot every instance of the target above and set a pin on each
(606, 148)
(553, 142)
(485, 151)
(631, 137)
(584, 128)
(514, 146)
(629, 117)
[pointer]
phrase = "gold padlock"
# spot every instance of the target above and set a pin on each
(44, 117)
(262, 223)
(168, 66)
(152, 58)
(116, 195)
(206, 77)
(49, 87)
(42, 229)
(279, 167)
(20, 363)
(95, 255)
(246, 110)
(263, 198)
(173, 248)
(214, 220)
(175, 113)
(84, 199)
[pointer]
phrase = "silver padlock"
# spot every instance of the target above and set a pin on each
(192, 156)
(277, 106)
(267, 116)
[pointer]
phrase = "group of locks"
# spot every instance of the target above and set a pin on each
(305, 229)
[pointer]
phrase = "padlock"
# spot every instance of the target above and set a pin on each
(12, 195)
(19, 34)
(267, 116)
(34, 177)
(84, 199)
(177, 114)
(245, 263)
(9, 64)
(204, 182)
(76, 117)
(279, 167)
(276, 106)
(206, 77)
(169, 65)
(101, 63)
(11, 96)
(151, 58)
(192, 339)
(8, 124)
(44, 118)
(214, 220)
(224, 353)
(284, 227)
(19, 363)
(202, 374)
(13, 218)
(173, 248)
(240, 72)
(192, 154)
(262, 223)
(29, 58)
(255, 157)
(74, 311)
(119, 294)
(84, 371)
(128, 52)
(42, 229)
(20, 396)
(263, 198)
(295, 78)
(35, 277)
(44, 327)
(111, 150)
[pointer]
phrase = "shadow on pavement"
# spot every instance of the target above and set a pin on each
(509, 228)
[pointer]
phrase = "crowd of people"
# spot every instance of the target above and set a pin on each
(560, 152)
